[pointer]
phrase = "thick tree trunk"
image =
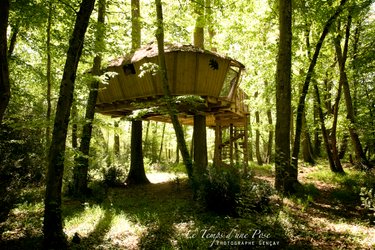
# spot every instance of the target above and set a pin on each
(286, 176)
(137, 175)
(163, 70)
(301, 104)
(81, 167)
(54, 237)
(199, 24)
(4, 70)
(200, 145)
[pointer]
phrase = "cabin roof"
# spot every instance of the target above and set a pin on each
(151, 50)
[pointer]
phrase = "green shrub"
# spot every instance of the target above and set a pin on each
(368, 201)
(221, 189)
(254, 197)
(114, 176)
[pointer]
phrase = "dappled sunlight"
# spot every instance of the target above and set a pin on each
(156, 177)
(85, 222)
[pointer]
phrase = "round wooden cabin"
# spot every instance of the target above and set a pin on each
(191, 71)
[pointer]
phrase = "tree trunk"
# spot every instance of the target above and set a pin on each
(301, 104)
(81, 167)
(257, 135)
(4, 70)
(324, 130)
(306, 143)
(171, 109)
(199, 24)
(136, 25)
(13, 38)
(286, 176)
(116, 140)
(54, 237)
(270, 128)
(161, 143)
(74, 114)
(137, 175)
(360, 155)
(49, 77)
(200, 145)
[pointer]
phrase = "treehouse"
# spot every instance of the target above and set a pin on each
(200, 81)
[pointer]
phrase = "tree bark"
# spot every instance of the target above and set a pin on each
(80, 172)
(163, 70)
(4, 70)
(306, 143)
(200, 145)
(257, 135)
(137, 175)
(136, 25)
(270, 128)
(199, 24)
(116, 141)
(286, 176)
(54, 237)
(161, 143)
(13, 39)
(301, 104)
(48, 74)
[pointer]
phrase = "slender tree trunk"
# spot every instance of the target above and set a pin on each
(4, 70)
(250, 140)
(116, 140)
(286, 176)
(161, 143)
(54, 237)
(74, 118)
(13, 38)
(49, 77)
(306, 143)
(360, 155)
(163, 70)
(257, 135)
(301, 104)
(82, 161)
(270, 128)
(137, 175)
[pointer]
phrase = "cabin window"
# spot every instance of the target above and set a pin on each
(213, 64)
(128, 69)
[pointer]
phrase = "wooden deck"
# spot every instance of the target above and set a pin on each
(191, 72)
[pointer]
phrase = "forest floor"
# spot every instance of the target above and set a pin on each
(163, 215)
